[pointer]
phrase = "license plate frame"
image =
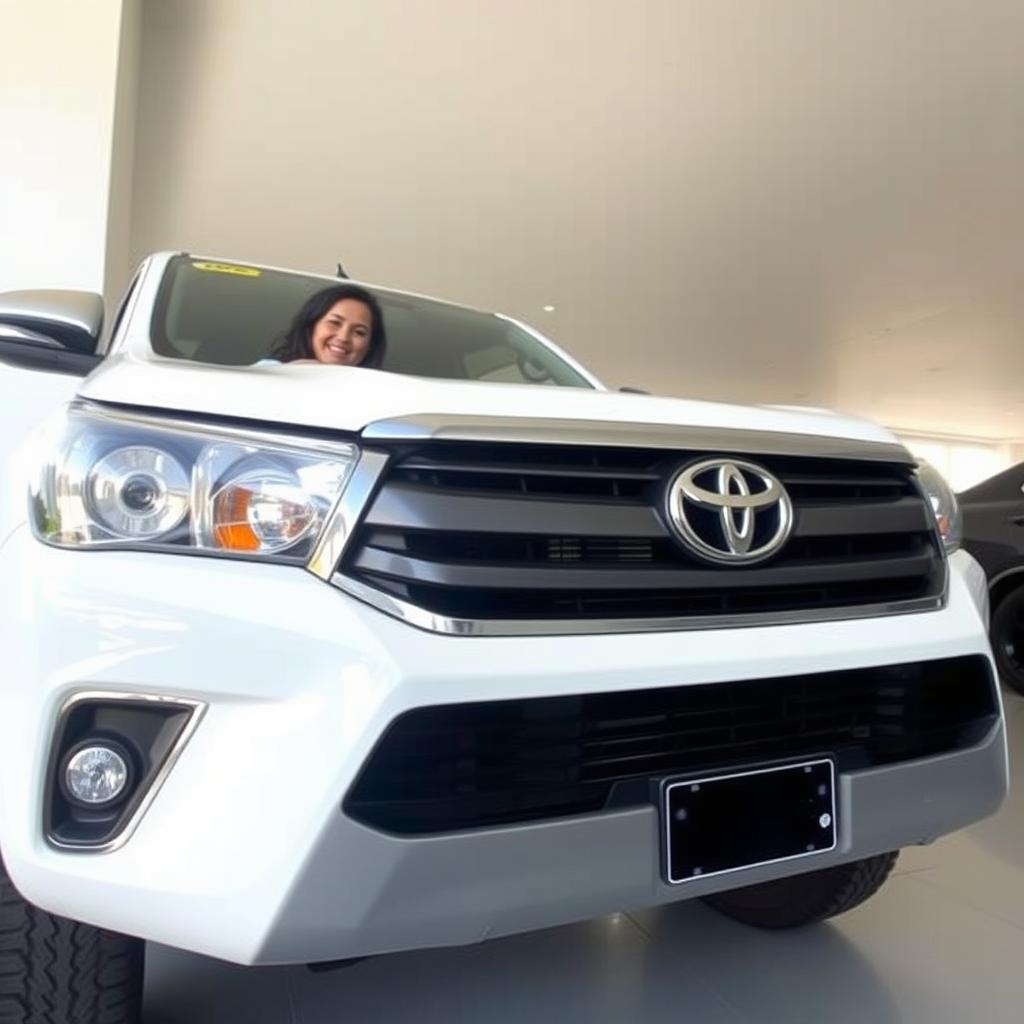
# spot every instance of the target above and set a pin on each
(718, 824)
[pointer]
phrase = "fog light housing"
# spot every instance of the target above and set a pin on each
(96, 774)
(108, 758)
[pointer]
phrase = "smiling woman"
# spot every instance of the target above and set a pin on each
(342, 325)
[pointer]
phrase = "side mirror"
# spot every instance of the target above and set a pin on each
(51, 330)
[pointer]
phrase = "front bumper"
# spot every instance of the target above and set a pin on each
(245, 853)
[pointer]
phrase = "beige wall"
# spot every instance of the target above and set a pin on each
(119, 260)
(799, 201)
(58, 80)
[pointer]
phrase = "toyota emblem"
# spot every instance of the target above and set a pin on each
(729, 512)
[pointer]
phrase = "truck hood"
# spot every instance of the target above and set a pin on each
(350, 399)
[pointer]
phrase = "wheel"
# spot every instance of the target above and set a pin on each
(55, 971)
(1007, 635)
(804, 899)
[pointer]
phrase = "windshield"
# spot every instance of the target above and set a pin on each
(232, 314)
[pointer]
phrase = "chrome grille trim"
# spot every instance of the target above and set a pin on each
(342, 521)
(423, 618)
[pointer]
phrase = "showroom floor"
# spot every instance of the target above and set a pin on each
(942, 942)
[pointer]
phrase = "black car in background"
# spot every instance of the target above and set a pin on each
(994, 534)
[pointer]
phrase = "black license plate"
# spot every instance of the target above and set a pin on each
(744, 818)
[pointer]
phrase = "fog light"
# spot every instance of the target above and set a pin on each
(96, 775)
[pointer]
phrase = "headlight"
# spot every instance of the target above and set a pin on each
(114, 481)
(948, 517)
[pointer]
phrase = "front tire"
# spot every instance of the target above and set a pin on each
(1007, 635)
(804, 899)
(56, 971)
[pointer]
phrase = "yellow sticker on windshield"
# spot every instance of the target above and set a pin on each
(228, 268)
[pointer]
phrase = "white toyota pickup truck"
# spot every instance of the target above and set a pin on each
(305, 663)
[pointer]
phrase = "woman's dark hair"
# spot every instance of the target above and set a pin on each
(296, 343)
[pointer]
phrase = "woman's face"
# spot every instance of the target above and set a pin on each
(342, 334)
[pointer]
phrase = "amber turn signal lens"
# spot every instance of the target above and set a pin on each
(261, 511)
(231, 528)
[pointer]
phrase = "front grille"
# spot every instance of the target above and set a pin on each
(463, 766)
(555, 532)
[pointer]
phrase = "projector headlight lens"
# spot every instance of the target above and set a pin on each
(107, 480)
(138, 491)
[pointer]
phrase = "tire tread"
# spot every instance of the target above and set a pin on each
(806, 899)
(56, 971)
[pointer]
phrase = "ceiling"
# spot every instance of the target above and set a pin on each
(795, 201)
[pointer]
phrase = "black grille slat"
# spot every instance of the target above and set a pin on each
(899, 516)
(472, 765)
(408, 507)
(420, 464)
(420, 468)
(499, 577)
(844, 480)
(826, 488)
(510, 548)
(587, 479)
